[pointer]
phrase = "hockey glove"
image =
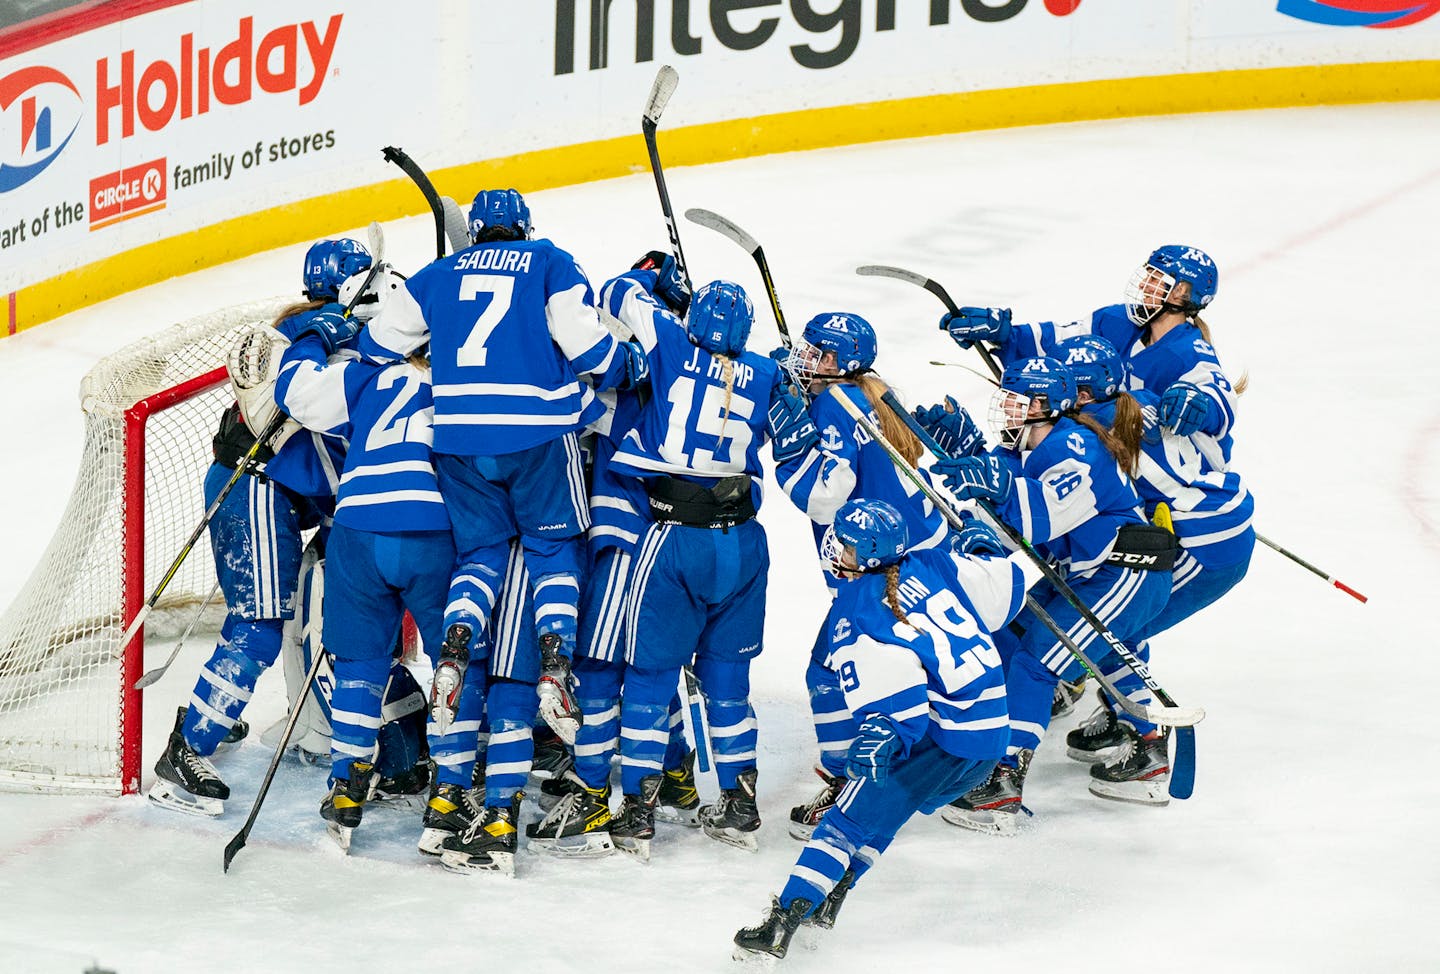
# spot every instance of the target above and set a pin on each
(953, 429)
(970, 325)
(670, 286)
(333, 329)
(1184, 409)
(976, 537)
(984, 478)
(876, 748)
(637, 366)
(792, 433)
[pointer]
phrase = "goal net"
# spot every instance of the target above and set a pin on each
(69, 718)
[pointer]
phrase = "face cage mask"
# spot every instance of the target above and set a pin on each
(1009, 418)
(1147, 294)
(832, 553)
(804, 362)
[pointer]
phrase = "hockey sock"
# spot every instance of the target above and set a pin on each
(732, 720)
(510, 705)
(1029, 690)
(473, 589)
(834, 725)
(597, 691)
(644, 723)
(676, 750)
(227, 681)
(555, 574)
(454, 752)
(355, 711)
(823, 861)
(1134, 688)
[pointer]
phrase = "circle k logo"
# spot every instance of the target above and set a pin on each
(48, 106)
(1360, 13)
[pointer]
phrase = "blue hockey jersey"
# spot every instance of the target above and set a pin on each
(513, 335)
(309, 462)
(848, 464)
(938, 673)
(1070, 496)
(388, 484)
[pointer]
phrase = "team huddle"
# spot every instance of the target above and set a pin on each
(560, 487)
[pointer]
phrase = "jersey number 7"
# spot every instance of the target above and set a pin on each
(501, 289)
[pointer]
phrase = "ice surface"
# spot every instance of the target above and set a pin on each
(1310, 843)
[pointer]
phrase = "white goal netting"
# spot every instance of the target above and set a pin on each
(68, 719)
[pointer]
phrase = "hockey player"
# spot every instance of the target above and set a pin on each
(698, 590)
(838, 348)
(651, 296)
(515, 344)
(1062, 480)
(1211, 510)
(908, 641)
(255, 537)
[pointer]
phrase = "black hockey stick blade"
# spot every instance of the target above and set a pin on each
(427, 189)
(665, 81)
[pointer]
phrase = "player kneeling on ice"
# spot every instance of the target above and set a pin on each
(909, 639)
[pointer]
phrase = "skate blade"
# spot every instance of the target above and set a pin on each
(754, 960)
(593, 846)
(176, 799)
(1101, 756)
(1153, 792)
(638, 848)
(688, 817)
(341, 835)
(740, 840)
(491, 862)
(985, 822)
(432, 842)
(800, 831)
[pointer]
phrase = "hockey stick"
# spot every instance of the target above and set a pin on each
(665, 81)
(154, 675)
(935, 288)
(455, 227)
(975, 372)
(698, 728)
(238, 842)
(1305, 564)
(1183, 719)
(427, 189)
(718, 223)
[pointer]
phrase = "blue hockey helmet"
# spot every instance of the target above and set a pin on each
(720, 318)
(1151, 286)
(1042, 382)
(329, 262)
(1093, 362)
(502, 212)
(849, 336)
(876, 531)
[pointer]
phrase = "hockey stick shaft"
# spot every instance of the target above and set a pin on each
(728, 228)
(238, 842)
(1305, 564)
(153, 676)
(427, 189)
(696, 711)
(665, 81)
(935, 288)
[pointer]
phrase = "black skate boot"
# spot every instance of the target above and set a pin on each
(633, 826)
(343, 808)
(1139, 772)
(679, 799)
(1066, 695)
(413, 781)
(993, 807)
(1098, 738)
(557, 699)
(450, 811)
(488, 845)
(185, 781)
(804, 818)
(450, 676)
(577, 826)
(769, 940)
(552, 758)
(734, 819)
(823, 919)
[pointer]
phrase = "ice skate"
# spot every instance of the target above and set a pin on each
(734, 818)
(633, 826)
(804, 818)
(1138, 773)
(450, 811)
(488, 845)
(1066, 696)
(449, 677)
(185, 781)
(994, 807)
(577, 826)
(557, 702)
(1098, 738)
(552, 758)
(407, 784)
(679, 799)
(769, 940)
(825, 914)
(343, 808)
